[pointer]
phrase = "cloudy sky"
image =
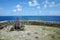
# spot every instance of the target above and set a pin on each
(29, 7)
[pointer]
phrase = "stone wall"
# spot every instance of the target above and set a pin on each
(54, 24)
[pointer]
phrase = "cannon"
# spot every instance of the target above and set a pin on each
(17, 25)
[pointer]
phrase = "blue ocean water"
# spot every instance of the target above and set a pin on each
(43, 18)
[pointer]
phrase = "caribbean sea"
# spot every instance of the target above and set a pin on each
(43, 18)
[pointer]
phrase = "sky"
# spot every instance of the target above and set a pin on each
(29, 7)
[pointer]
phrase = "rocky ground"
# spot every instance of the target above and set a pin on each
(31, 32)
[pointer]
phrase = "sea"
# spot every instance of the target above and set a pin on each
(41, 18)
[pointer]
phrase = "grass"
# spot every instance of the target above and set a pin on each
(55, 35)
(32, 32)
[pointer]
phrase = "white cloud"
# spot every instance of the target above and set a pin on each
(52, 4)
(14, 10)
(30, 3)
(45, 6)
(46, 3)
(33, 3)
(49, 13)
(18, 8)
(38, 7)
